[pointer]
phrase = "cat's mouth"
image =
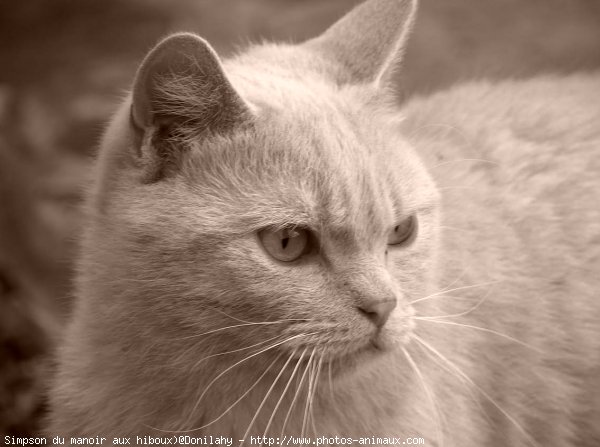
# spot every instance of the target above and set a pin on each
(382, 341)
(344, 352)
(348, 361)
(373, 348)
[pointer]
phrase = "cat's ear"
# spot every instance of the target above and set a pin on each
(368, 42)
(181, 88)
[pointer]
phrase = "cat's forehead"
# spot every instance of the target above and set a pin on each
(342, 135)
(311, 117)
(315, 154)
(315, 163)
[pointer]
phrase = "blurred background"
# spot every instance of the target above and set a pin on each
(65, 64)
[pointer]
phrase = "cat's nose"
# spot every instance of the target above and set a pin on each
(378, 311)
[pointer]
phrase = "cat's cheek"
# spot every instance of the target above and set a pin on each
(414, 268)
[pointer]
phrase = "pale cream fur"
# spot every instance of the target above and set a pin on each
(503, 179)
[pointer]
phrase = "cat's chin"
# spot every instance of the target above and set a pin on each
(376, 349)
(386, 341)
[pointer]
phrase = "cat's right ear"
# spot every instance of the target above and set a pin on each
(181, 89)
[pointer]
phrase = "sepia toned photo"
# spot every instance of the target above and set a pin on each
(300, 222)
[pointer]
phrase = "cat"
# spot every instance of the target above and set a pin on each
(275, 247)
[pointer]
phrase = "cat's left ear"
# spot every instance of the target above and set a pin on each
(368, 43)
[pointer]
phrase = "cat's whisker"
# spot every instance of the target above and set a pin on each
(213, 331)
(239, 363)
(203, 359)
(331, 391)
(490, 331)
(206, 306)
(461, 314)
(309, 390)
(233, 404)
(455, 280)
(443, 292)
(469, 388)
(283, 393)
(309, 394)
(481, 390)
(332, 396)
(268, 393)
(314, 392)
(458, 298)
(294, 399)
(430, 396)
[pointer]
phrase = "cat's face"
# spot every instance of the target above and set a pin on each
(323, 221)
(324, 214)
(303, 219)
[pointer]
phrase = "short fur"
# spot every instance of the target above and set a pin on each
(503, 179)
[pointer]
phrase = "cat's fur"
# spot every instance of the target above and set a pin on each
(502, 177)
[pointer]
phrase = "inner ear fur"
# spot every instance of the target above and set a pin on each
(181, 89)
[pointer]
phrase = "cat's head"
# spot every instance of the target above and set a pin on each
(275, 188)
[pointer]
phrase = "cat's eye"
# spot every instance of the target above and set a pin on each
(286, 244)
(404, 232)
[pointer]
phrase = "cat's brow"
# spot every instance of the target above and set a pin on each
(255, 223)
(422, 209)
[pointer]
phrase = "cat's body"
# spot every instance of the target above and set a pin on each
(519, 179)
(508, 230)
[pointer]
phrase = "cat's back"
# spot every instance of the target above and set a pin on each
(507, 120)
(518, 168)
(530, 147)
